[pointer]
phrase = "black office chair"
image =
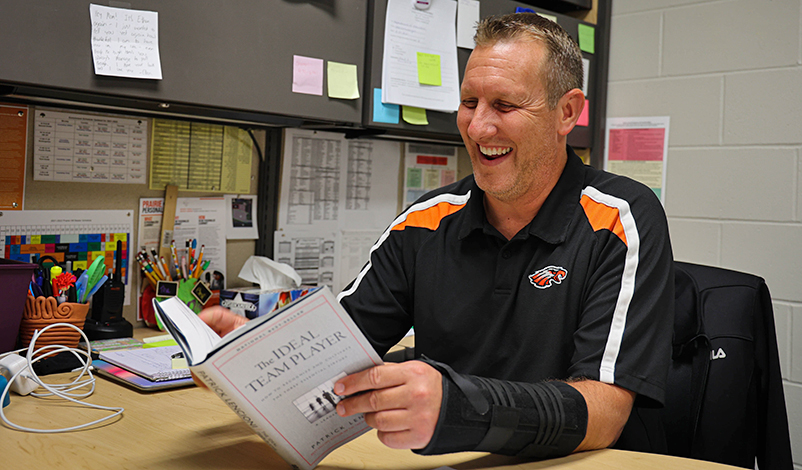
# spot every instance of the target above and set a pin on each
(724, 398)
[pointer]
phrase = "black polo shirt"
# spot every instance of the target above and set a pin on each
(585, 290)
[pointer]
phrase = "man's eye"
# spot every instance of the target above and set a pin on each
(469, 103)
(504, 107)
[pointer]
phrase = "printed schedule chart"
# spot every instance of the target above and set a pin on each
(89, 148)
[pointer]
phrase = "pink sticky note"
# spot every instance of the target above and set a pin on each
(584, 116)
(307, 75)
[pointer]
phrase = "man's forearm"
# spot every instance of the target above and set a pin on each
(609, 407)
(540, 420)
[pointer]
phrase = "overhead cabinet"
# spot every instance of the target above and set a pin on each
(219, 59)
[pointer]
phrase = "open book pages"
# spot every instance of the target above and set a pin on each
(194, 336)
(278, 373)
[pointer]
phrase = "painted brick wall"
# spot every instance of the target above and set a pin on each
(729, 73)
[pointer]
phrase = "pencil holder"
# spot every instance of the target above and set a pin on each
(184, 292)
(40, 312)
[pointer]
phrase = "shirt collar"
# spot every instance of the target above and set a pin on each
(554, 218)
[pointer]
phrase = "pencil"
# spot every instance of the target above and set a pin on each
(196, 272)
(166, 268)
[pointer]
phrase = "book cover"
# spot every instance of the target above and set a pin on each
(277, 373)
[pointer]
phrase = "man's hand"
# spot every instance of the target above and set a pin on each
(402, 401)
(222, 320)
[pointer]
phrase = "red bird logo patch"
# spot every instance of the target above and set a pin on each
(547, 276)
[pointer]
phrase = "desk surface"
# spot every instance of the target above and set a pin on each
(192, 428)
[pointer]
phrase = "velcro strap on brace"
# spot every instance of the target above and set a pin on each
(540, 420)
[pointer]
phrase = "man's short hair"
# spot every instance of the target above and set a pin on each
(563, 64)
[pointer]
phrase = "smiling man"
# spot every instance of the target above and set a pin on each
(540, 289)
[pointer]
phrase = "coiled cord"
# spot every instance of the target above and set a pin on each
(65, 391)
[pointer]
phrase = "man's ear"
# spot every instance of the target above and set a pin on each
(569, 108)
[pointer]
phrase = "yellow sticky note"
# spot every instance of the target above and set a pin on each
(429, 69)
(587, 38)
(342, 81)
(414, 116)
(120, 236)
(111, 246)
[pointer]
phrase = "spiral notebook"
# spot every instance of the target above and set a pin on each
(154, 364)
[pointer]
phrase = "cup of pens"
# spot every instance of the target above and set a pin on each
(56, 295)
(43, 311)
(181, 278)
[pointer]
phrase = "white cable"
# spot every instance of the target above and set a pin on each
(60, 390)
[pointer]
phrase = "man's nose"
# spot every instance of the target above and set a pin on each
(483, 123)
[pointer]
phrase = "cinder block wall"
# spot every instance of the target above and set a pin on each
(729, 74)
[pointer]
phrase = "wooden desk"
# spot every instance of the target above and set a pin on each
(192, 429)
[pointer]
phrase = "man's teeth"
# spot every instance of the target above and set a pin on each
(494, 151)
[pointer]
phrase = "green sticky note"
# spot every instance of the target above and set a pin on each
(414, 116)
(587, 38)
(342, 81)
(158, 344)
(429, 69)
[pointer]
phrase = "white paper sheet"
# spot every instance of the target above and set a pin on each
(125, 43)
(203, 218)
(355, 248)
(408, 31)
(312, 253)
(89, 148)
(331, 183)
(467, 18)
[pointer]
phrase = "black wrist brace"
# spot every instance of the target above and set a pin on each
(535, 420)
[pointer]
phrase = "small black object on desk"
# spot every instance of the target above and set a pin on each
(106, 320)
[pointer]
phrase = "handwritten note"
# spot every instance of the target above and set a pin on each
(125, 43)
(429, 69)
(307, 75)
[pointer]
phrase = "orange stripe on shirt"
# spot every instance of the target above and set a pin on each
(603, 217)
(430, 217)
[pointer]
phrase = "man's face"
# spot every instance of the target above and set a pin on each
(505, 122)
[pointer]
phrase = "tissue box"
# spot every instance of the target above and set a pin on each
(252, 302)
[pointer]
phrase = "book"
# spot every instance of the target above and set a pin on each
(277, 372)
(155, 364)
(126, 377)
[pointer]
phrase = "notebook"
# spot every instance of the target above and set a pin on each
(154, 364)
(126, 377)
